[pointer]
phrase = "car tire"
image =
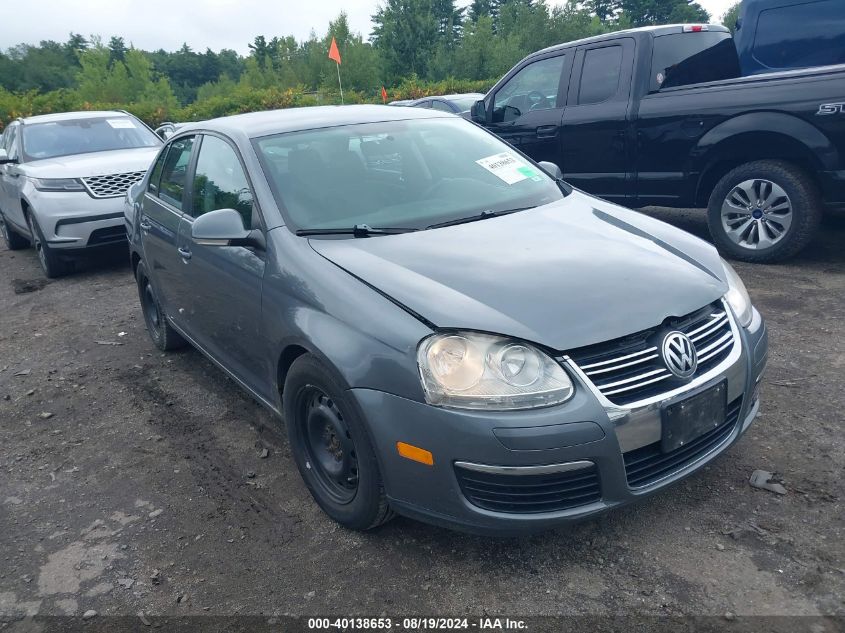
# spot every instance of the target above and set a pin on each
(332, 448)
(161, 332)
(51, 262)
(13, 241)
(764, 211)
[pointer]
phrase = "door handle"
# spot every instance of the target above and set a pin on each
(546, 131)
(145, 226)
(184, 252)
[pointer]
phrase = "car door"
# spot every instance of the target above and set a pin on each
(527, 109)
(163, 203)
(11, 181)
(597, 136)
(220, 286)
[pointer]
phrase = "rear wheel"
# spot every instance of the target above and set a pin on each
(161, 332)
(13, 241)
(332, 448)
(51, 263)
(764, 211)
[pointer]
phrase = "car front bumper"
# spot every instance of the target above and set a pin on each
(75, 220)
(542, 443)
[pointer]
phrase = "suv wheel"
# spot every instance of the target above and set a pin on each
(765, 211)
(331, 447)
(52, 265)
(14, 242)
(161, 332)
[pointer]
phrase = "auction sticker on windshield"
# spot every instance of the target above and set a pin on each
(507, 167)
(121, 123)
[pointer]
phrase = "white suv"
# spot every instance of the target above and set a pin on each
(63, 178)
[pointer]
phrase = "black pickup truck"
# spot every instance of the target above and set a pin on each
(661, 116)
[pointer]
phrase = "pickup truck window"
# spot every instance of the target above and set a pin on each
(681, 59)
(600, 76)
(535, 87)
(801, 35)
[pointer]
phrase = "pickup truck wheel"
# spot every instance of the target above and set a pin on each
(331, 447)
(14, 242)
(161, 332)
(764, 211)
(51, 263)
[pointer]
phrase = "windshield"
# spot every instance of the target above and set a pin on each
(398, 174)
(85, 135)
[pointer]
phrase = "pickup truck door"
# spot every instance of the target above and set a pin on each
(527, 108)
(597, 135)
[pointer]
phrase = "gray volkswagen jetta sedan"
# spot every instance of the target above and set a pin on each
(448, 330)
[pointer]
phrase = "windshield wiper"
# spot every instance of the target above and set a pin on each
(487, 213)
(359, 230)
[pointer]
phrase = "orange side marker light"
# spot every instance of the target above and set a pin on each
(415, 453)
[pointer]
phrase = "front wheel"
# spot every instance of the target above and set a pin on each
(14, 242)
(51, 263)
(331, 447)
(764, 211)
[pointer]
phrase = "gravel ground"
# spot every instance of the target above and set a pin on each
(134, 481)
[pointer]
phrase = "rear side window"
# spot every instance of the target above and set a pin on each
(439, 105)
(600, 76)
(220, 182)
(174, 172)
(801, 35)
(681, 59)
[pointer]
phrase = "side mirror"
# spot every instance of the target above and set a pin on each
(551, 169)
(478, 112)
(224, 227)
(4, 157)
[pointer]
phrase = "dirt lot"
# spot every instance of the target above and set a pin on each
(134, 481)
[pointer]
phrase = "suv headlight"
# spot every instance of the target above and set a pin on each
(480, 371)
(737, 296)
(58, 184)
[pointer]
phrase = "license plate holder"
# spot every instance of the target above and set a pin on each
(692, 417)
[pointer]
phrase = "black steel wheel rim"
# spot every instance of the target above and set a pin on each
(151, 311)
(329, 449)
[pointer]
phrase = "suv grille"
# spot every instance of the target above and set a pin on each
(629, 369)
(648, 464)
(113, 185)
(525, 494)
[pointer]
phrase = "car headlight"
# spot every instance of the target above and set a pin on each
(58, 184)
(480, 371)
(737, 296)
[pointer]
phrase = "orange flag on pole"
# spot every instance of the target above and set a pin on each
(383, 94)
(334, 53)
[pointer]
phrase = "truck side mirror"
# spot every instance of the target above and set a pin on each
(478, 111)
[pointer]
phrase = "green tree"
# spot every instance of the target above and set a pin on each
(729, 19)
(406, 36)
(649, 12)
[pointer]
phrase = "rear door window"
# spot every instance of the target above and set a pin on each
(600, 75)
(801, 35)
(175, 172)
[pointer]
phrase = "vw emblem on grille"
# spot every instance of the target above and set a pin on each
(679, 354)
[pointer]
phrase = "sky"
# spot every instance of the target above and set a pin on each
(215, 24)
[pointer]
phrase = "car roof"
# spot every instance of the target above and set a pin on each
(655, 31)
(256, 124)
(68, 116)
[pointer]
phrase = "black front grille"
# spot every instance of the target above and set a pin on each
(108, 235)
(525, 494)
(631, 368)
(648, 464)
